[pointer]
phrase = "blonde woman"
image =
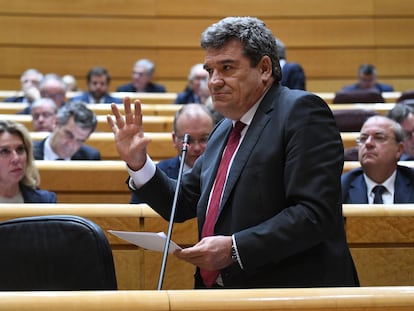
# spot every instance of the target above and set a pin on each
(19, 177)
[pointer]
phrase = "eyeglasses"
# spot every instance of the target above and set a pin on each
(45, 115)
(378, 138)
(201, 141)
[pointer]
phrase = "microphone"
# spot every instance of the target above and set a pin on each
(185, 141)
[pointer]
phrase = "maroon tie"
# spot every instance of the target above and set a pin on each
(209, 277)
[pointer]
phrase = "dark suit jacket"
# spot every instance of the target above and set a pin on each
(14, 99)
(186, 97)
(282, 200)
(151, 88)
(354, 188)
(379, 86)
(84, 97)
(31, 195)
(293, 76)
(170, 166)
(84, 153)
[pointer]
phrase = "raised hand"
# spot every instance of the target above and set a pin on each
(130, 140)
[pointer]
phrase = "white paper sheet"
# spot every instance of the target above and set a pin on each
(148, 240)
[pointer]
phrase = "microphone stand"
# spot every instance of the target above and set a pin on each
(186, 138)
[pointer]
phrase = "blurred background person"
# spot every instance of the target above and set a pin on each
(293, 75)
(19, 177)
(142, 74)
(67, 142)
(404, 115)
(98, 80)
(44, 115)
(29, 81)
(71, 83)
(53, 87)
(380, 147)
(368, 79)
(192, 92)
(196, 121)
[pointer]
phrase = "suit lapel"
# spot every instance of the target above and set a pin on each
(358, 190)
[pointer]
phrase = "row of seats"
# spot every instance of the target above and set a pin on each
(380, 239)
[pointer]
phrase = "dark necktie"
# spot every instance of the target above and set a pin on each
(378, 191)
(209, 277)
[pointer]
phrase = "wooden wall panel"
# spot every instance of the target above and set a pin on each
(329, 38)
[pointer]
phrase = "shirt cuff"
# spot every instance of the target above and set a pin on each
(142, 176)
(234, 246)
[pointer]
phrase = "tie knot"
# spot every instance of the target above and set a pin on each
(380, 189)
(238, 127)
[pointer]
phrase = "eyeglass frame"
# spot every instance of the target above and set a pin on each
(378, 138)
(191, 141)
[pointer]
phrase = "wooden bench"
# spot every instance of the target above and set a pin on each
(104, 109)
(151, 123)
(381, 239)
(160, 148)
(389, 97)
(146, 98)
(306, 299)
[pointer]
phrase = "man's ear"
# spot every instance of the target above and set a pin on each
(265, 67)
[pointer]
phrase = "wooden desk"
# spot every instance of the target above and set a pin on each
(381, 239)
(152, 123)
(104, 109)
(306, 299)
(146, 98)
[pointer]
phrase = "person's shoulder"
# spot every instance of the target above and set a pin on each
(351, 175)
(31, 195)
(82, 97)
(385, 87)
(156, 88)
(14, 99)
(126, 88)
(405, 170)
(351, 87)
(86, 152)
(111, 99)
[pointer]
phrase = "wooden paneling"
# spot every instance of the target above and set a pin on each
(329, 38)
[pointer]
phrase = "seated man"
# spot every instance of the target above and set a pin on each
(379, 179)
(44, 115)
(29, 81)
(404, 115)
(75, 124)
(196, 121)
(367, 79)
(293, 75)
(142, 74)
(193, 90)
(98, 80)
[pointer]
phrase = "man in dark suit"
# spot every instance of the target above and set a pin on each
(293, 75)
(98, 80)
(279, 222)
(367, 79)
(75, 124)
(193, 92)
(142, 75)
(196, 121)
(380, 148)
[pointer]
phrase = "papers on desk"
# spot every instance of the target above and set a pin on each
(148, 240)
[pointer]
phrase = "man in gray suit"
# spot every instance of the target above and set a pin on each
(279, 221)
(380, 147)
